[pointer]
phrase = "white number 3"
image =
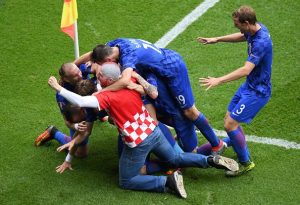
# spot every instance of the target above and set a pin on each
(241, 109)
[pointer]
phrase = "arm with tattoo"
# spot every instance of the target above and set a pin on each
(149, 89)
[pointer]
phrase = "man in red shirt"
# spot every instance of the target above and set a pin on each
(140, 135)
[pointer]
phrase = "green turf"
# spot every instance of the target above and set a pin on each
(32, 49)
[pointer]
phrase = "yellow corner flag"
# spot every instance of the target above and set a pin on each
(69, 17)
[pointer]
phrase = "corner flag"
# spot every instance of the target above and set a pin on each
(69, 22)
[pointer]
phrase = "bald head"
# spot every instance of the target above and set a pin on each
(111, 70)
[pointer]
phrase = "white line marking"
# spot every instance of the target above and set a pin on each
(264, 140)
(185, 22)
(92, 28)
(178, 29)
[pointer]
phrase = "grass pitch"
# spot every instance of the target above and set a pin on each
(33, 48)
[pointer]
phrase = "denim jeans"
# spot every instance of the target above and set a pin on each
(132, 160)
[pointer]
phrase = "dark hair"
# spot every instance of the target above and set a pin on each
(100, 52)
(245, 13)
(85, 87)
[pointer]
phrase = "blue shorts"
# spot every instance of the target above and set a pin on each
(245, 105)
(180, 87)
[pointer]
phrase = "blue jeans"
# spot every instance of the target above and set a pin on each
(133, 159)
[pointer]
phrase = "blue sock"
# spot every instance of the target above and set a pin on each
(62, 138)
(239, 145)
(202, 124)
(241, 129)
(205, 149)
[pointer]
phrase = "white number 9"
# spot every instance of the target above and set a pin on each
(181, 99)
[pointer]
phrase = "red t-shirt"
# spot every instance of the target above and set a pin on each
(126, 108)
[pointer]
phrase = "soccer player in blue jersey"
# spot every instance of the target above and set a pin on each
(168, 111)
(252, 95)
(139, 55)
(78, 120)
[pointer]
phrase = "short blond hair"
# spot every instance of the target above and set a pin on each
(245, 13)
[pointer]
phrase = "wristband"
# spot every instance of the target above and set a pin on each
(76, 126)
(69, 158)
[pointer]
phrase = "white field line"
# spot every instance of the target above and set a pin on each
(178, 29)
(185, 22)
(264, 140)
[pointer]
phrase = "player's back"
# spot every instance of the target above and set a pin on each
(143, 55)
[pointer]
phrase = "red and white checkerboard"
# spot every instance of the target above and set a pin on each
(135, 132)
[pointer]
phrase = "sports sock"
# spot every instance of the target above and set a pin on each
(205, 149)
(202, 124)
(241, 129)
(239, 145)
(61, 137)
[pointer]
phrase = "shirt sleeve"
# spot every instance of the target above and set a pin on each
(81, 101)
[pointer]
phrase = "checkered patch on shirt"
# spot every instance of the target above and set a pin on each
(135, 132)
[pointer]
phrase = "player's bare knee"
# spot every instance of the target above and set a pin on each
(191, 113)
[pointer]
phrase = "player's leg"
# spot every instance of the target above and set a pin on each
(243, 108)
(151, 109)
(181, 89)
(130, 164)
(165, 152)
(50, 133)
(205, 149)
(186, 133)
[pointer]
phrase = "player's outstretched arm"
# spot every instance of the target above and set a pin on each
(210, 82)
(75, 99)
(235, 37)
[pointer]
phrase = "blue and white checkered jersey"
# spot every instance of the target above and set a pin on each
(260, 53)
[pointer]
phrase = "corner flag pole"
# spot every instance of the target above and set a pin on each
(76, 43)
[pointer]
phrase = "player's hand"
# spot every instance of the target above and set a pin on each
(67, 146)
(95, 68)
(52, 82)
(64, 166)
(81, 126)
(209, 82)
(207, 40)
(132, 86)
(88, 63)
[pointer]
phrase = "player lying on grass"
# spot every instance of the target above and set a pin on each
(141, 136)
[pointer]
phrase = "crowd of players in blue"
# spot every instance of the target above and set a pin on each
(163, 76)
